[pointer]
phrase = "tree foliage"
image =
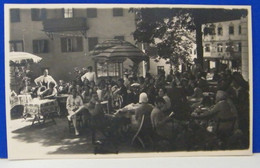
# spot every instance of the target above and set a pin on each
(169, 30)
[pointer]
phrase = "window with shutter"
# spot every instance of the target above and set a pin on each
(40, 46)
(38, 14)
(79, 44)
(220, 31)
(231, 30)
(16, 45)
(92, 42)
(71, 44)
(117, 12)
(207, 47)
(220, 47)
(35, 46)
(63, 44)
(15, 15)
(91, 12)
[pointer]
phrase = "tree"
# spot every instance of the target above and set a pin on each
(150, 21)
(169, 30)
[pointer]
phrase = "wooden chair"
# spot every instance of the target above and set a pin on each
(105, 105)
(144, 131)
(231, 122)
(224, 135)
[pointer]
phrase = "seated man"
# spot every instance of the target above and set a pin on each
(136, 111)
(133, 94)
(74, 102)
(144, 109)
(49, 93)
(122, 91)
(160, 121)
(62, 87)
(223, 109)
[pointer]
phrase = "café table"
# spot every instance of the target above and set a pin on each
(203, 121)
(23, 99)
(42, 109)
(193, 100)
(129, 112)
(20, 100)
(124, 119)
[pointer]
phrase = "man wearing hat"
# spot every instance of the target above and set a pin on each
(144, 109)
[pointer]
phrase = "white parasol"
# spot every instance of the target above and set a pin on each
(19, 56)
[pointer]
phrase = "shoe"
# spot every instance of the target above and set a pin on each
(76, 133)
(69, 117)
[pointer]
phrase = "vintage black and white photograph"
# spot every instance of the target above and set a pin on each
(90, 81)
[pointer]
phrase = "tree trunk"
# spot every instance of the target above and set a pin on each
(199, 43)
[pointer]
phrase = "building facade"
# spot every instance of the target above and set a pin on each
(225, 44)
(157, 64)
(64, 37)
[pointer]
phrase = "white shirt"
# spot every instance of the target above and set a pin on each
(126, 81)
(73, 103)
(46, 79)
(168, 102)
(90, 76)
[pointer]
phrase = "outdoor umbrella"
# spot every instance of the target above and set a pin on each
(122, 52)
(119, 53)
(20, 56)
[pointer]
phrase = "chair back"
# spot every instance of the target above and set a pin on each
(229, 124)
(139, 128)
(144, 132)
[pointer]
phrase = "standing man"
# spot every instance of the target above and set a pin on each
(89, 75)
(45, 79)
(196, 68)
(122, 91)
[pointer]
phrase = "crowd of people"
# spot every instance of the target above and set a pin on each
(162, 98)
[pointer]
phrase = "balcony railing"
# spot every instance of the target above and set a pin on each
(65, 24)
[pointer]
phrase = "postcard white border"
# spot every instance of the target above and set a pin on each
(12, 155)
